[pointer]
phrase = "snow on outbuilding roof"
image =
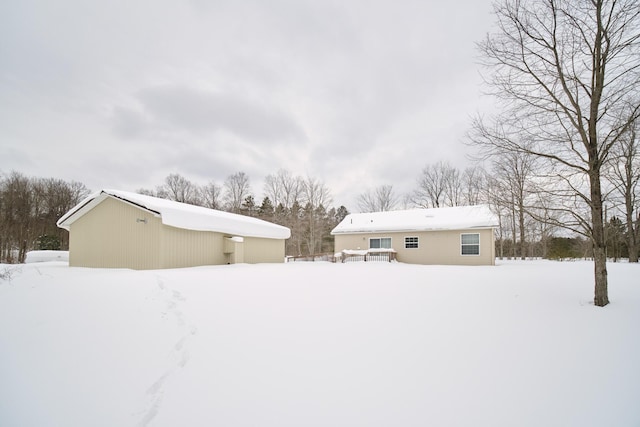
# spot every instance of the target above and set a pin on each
(183, 215)
(454, 218)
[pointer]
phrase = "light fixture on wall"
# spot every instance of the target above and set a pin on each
(141, 220)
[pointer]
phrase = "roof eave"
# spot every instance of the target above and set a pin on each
(65, 223)
(81, 209)
(407, 230)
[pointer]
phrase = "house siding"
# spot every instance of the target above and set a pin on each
(434, 247)
(257, 250)
(189, 248)
(118, 234)
(113, 236)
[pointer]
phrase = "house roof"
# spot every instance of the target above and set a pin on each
(182, 215)
(453, 218)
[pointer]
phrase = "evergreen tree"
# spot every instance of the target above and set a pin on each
(341, 213)
(615, 232)
(48, 242)
(280, 214)
(266, 210)
(248, 207)
(564, 248)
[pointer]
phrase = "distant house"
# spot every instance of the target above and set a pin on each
(117, 229)
(456, 235)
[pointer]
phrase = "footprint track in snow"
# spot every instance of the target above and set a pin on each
(178, 355)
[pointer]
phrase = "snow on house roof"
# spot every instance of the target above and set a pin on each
(454, 218)
(183, 215)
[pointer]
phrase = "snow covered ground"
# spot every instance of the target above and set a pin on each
(319, 344)
(44, 256)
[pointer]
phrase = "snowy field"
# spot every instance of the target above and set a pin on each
(319, 344)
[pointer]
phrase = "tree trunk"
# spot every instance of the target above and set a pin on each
(600, 263)
(601, 297)
(632, 241)
(523, 254)
(501, 235)
(22, 254)
(514, 243)
(633, 246)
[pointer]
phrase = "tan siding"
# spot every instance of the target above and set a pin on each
(258, 250)
(112, 236)
(189, 248)
(237, 257)
(434, 247)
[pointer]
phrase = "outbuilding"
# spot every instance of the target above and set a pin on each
(118, 229)
(461, 235)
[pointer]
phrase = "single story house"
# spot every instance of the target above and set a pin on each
(455, 235)
(118, 229)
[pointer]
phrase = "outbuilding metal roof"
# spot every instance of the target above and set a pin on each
(182, 215)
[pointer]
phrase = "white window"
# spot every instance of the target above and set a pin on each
(380, 243)
(411, 243)
(470, 244)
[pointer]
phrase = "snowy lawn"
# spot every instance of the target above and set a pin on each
(320, 344)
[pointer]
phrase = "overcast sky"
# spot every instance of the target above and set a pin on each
(121, 93)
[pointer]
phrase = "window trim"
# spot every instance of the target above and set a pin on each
(469, 244)
(417, 242)
(380, 238)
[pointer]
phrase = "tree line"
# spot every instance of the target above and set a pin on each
(29, 210)
(528, 225)
(300, 203)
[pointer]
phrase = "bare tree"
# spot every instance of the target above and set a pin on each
(316, 197)
(474, 183)
(211, 195)
(408, 201)
(58, 198)
(16, 216)
(625, 171)
(565, 70)
(453, 188)
(380, 199)
(513, 172)
(236, 188)
(147, 192)
(29, 209)
(315, 192)
(495, 198)
(283, 188)
(544, 225)
(432, 185)
(178, 188)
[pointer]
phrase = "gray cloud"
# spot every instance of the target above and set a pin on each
(355, 93)
(187, 109)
